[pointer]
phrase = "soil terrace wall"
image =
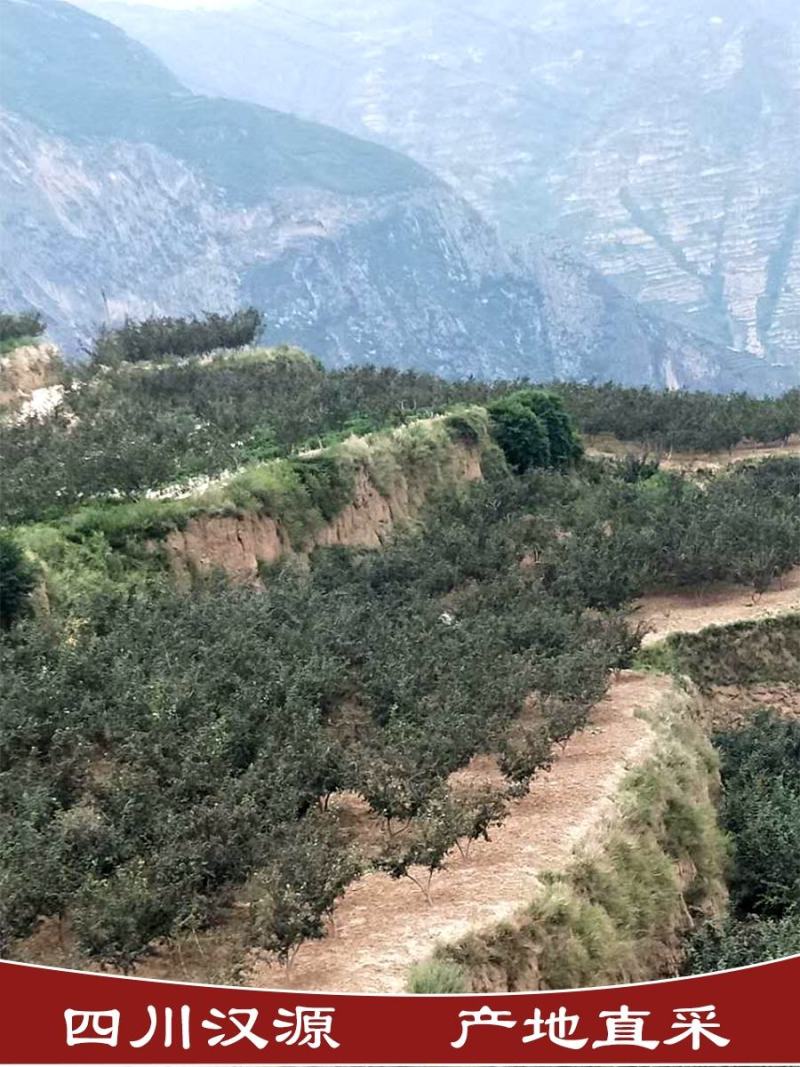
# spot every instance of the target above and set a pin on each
(239, 544)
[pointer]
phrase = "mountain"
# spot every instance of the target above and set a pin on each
(662, 140)
(124, 193)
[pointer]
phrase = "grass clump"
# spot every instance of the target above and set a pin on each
(437, 976)
(10, 344)
(275, 489)
(19, 328)
(469, 425)
(121, 524)
(328, 481)
(302, 493)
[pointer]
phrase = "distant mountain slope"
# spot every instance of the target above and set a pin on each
(662, 139)
(79, 77)
(123, 193)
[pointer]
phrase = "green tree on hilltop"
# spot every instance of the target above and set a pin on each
(157, 338)
(20, 325)
(533, 430)
(521, 434)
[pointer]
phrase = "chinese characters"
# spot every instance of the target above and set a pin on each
(624, 1027)
(310, 1026)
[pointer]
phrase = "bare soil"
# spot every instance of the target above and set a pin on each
(383, 926)
(727, 707)
(606, 445)
(720, 605)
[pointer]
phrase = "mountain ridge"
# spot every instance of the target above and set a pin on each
(351, 250)
(659, 140)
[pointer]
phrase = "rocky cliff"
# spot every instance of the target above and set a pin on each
(26, 371)
(126, 194)
(661, 139)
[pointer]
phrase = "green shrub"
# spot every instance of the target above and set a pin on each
(565, 445)
(520, 432)
(742, 942)
(760, 810)
(328, 481)
(297, 891)
(150, 339)
(437, 976)
(533, 430)
(283, 490)
(20, 326)
(126, 524)
(468, 425)
(115, 919)
(17, 580)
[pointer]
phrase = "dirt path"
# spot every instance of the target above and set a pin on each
(384, 927)
(669, 613)
(604, 445)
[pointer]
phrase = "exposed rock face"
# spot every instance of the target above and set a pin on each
(125, 194)
(103, 229)
(583, 313)
(26, 371)
(662, 139)
(237, 544)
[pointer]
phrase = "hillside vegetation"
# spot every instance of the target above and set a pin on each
(151, 793)
(124, 429)
(759, 750)
(761, 813)
(19, 329)
(666, 421)
(153, 339)
(174, 781)
(743, 654)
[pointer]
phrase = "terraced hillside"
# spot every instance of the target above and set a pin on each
(659, 140)
(340, 668)
(384, 930)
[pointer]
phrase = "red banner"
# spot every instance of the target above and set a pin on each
(745, 1016)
